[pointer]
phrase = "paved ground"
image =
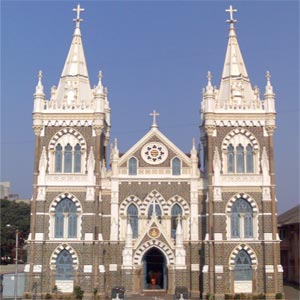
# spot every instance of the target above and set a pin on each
(291, 292)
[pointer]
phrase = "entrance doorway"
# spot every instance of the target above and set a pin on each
(154, 270)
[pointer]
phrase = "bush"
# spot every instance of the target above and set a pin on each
(78, 292)
(48, 296)
(237, 296)
(228, 297)
(279, 296)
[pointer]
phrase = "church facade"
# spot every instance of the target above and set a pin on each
(152, 219)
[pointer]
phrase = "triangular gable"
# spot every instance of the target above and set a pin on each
(147, 137)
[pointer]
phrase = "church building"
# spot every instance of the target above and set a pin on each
(154, 218)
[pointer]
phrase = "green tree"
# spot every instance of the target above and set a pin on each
(17, 215)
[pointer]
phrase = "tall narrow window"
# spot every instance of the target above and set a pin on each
(64, 266)
(77, 159)
(68, 159)
(65, 219)
(241, 219)
(132, 213)
(58, 158)
(230, 159)
(132, 166)
(240, 159)
(176, 168)
(242, 269)
(175, 213)
(249, 159)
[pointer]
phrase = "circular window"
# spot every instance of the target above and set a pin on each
(154, 153)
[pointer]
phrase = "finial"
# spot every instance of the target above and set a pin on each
(209, 76)
(154, 114)
(231, 10)
(100, 75)
(40, 75)
(269, 88)
(39, 88)
(116, 143)
(268, 76)
(194, 143)
(78, 10)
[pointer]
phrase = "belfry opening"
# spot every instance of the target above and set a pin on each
(154, 270)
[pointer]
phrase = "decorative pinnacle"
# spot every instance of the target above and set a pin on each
(231, 10)
(154, 114)
(78, 9)
(40, 76)
(268, 76)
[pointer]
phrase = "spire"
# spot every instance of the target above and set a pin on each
(269, 96)
(269, 88)
(39, 90)
(74, 86)
(235, 87)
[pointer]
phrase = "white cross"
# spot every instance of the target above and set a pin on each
(231, 10)
(154, 114)
(78, 9)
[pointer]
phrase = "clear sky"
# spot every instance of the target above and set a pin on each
(154, 55)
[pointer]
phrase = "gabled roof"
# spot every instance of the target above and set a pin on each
(154, 131)
(292, 216)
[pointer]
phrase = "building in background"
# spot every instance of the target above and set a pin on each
(4, 189)
(288, 227)
(154, 220)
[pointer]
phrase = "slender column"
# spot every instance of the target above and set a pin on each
(270, 130)
(211, 268)
(37, 152)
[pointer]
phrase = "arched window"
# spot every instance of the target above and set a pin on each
(65, 219)
(77, 159)
(176, 167)
(175, 213)
(230, 159)
(58, 158)
(242, 269)
(249, 159)
(240, 159)
(154, 205)
(68, 159)
(64, 266)
(241, 219)
(132, 166)
(132, 213)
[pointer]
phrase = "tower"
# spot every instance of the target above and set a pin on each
(241, 243)
(72, 131)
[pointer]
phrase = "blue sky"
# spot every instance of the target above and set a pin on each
(154, 55)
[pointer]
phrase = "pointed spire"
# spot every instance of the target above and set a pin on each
(269, 88)
(39, 90)
(209, 88)
(99, 88)
(74, 86)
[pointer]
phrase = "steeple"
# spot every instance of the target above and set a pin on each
(235, 90)
(74, 86)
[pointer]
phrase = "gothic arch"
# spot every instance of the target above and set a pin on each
(154, 195)
(130, 199)
(56, 252)
(63, 132)
(182, 202)
(236, 250)
(244, 196)
(62, 196)
(243, 132)
(139, 253)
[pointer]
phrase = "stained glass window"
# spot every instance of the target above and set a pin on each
(176, 211)
(230, 159)
(132, 213)
(68, 159)
(64, 266)
(176, 168)
(77, 159)
(243, 269)
(132, 170)
(240, 159)
(58, 158)
(249, 159)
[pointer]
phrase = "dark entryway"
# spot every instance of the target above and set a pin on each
(154, 267)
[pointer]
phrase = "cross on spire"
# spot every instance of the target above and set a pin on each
(154, 114)
(231, 10)
(78, 10)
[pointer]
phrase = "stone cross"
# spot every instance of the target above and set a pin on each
(78, 9)
(154, 114)
(231, 10)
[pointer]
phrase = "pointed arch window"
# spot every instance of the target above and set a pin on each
(77, 159)
(176, 166)
(242, 269)
(240, 159)
(132, 213)
(132, 166)
(68, 159)
(241, 219)
(154, 206)
(58, 158)
(64, 266)
(230, 159)
(65, 219)
(176, 212)
(249, 159)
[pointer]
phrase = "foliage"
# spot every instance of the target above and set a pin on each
(210, 297)
(95, 291)
(279, 296)
(78, 292)
(48, 296)
(17, 215)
